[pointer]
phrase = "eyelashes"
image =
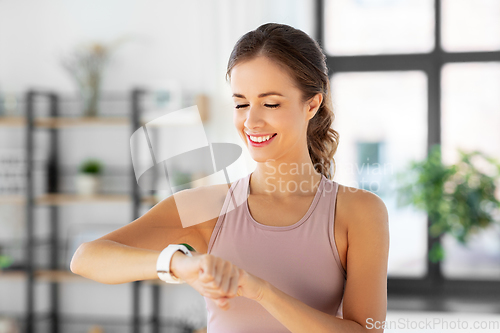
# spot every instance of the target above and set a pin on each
(271, 106)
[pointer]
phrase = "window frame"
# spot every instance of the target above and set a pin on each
(434, 283)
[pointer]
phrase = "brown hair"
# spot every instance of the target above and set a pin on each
(303, 59)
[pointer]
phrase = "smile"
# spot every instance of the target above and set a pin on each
(259, 141)
(261, 138)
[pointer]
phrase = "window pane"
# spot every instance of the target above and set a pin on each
(471, 121)
(354, 27)
(470, 25)
(381, 118)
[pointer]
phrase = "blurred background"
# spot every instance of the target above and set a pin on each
(415, 87)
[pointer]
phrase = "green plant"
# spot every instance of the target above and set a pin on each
(91, 166)
(459, 199)
(5, 261)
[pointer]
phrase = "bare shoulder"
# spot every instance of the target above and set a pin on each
(360, 207)
(367, 254)
(206, 204)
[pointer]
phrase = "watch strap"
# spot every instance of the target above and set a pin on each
(164, 260)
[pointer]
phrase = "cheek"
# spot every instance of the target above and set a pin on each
(288, 121)
(238, 120)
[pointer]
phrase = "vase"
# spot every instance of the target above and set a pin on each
(87, 184)
(89, 93)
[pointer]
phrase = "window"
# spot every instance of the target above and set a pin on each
(470, 25)
(471, 121)
(381, 118)
(399, 86)
(355, 27)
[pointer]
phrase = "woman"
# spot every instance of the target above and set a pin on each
(303, 253)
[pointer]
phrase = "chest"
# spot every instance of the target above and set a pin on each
(285, 213)
(278, 212)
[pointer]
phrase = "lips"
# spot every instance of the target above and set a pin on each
(250, 134)
(261, 136)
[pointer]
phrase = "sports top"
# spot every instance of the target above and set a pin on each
(301, 259)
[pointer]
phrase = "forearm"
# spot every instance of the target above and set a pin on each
(299, 317)
(110, 262)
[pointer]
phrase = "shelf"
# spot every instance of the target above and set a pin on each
(12, 121)
(60, 276)
(42, 275)
(60, 122)
(107, 322)
(15, 199)
(58, 199)
(80, 121)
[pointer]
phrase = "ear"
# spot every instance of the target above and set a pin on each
(312, 106)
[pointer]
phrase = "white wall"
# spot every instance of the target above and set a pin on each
(189, 41)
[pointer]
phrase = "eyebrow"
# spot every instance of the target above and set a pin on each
(261, 95)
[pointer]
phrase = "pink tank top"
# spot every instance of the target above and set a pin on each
(301, 259)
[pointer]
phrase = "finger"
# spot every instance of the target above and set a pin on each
(233, 287)
(223, 268)
(226, 278)
(222, 303)
(208, 268)
(219, 272)
(213, 294)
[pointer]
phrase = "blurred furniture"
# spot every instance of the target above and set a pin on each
(53, 198)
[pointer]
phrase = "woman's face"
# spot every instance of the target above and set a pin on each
(267, 103)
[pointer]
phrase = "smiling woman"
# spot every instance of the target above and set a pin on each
(291, 241)
(300, 252)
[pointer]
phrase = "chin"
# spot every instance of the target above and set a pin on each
(261, 158)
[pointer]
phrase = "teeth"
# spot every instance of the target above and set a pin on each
(260, 138)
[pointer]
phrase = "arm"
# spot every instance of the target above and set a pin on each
(365, 294)
(120, 264)
(130, 253)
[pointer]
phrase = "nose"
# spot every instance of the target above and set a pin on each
(253, 118)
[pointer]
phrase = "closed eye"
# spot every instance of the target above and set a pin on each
(271, 106)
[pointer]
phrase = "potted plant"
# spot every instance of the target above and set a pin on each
(5, 260)
(460, 199)
(88, 179)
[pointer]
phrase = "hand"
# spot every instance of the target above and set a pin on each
(251, 286)
(211, 276)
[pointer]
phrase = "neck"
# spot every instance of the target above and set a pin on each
(280, 179)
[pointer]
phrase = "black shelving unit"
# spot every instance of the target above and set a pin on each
(53, 318)
(53, 170)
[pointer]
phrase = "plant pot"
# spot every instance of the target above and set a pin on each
(87, 184)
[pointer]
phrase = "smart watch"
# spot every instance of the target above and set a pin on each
(164, 259)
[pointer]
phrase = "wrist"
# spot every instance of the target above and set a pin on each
(164, 263)
(267, 290)
(177, 258)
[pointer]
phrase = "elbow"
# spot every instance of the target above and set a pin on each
(83, 264)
